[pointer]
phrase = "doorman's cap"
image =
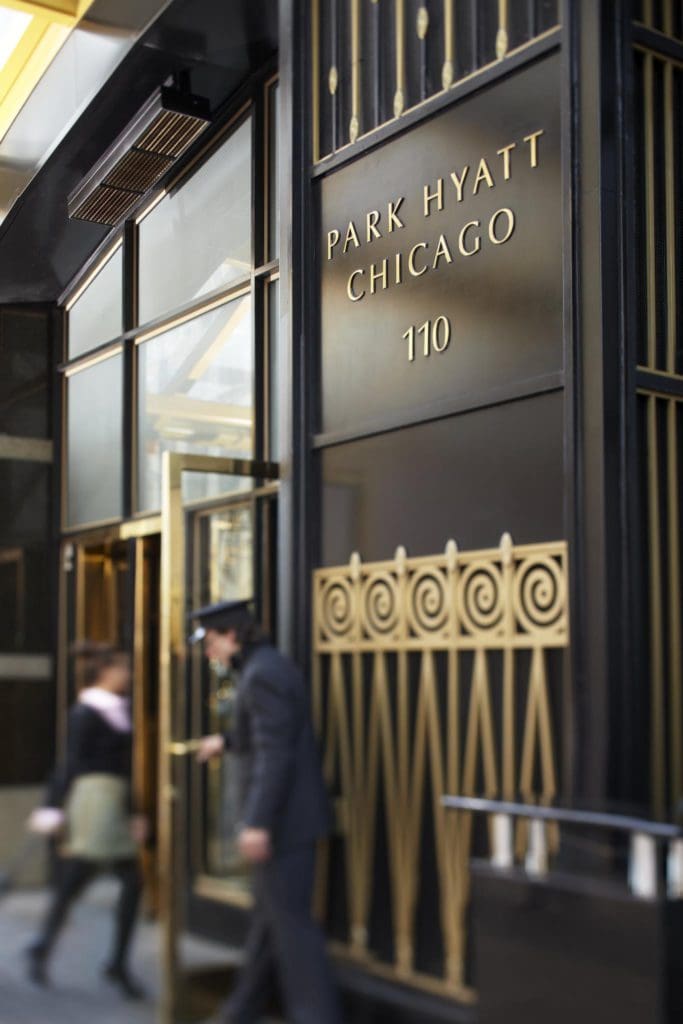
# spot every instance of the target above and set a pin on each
(222, 616)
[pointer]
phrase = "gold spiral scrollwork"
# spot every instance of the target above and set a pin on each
(380, 605)
(428, 604)
(337, 609)
(481, 600)
(540, 594)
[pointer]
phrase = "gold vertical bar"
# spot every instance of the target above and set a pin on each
(650, 212)
(647, 13)
(139, 742)
(62, 647)
(508, 781)
(448, 69)
(675, 662)
(670, 204)
(675, 667)
(354, 126)
(399, 95)
(315, 72)
(172, 551)
(656, 638)
(668, 17)
(502, 38)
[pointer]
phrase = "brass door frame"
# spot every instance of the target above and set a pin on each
(171, 696)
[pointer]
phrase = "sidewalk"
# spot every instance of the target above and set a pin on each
(78, 994)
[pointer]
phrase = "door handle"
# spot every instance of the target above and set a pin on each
(180, 748)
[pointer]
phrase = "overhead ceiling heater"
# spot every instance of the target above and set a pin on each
(155, 139)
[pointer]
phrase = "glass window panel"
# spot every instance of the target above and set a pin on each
(199, 239)
(95, 442)
(97, 316)
(196, 394)
(228, 574)
(274, 371)
(273, 166)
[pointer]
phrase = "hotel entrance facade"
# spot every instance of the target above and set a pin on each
(369, 310)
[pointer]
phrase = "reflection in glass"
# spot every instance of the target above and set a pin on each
(227, 563)
(97, 315)
(94, 442)
(273, 170)
(196, 394)
(198, 239)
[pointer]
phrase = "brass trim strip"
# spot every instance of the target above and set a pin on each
(26, 449)
(91, 275)
(192, 314)
(88, 362)
(659, 54)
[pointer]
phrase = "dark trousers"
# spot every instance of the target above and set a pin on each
(285, 943)
(72, 877)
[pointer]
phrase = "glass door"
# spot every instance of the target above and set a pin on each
(207, 554)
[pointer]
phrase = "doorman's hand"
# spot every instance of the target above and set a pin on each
(254, 845)
(139, 828)
(211, 746)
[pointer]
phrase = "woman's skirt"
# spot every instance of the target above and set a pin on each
(98, 819)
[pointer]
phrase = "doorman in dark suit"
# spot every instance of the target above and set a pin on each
(284, 811)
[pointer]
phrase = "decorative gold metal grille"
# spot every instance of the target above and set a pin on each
(423, 668)
(659, 80)
(371, 62)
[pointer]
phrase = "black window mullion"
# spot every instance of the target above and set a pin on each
(129, 398)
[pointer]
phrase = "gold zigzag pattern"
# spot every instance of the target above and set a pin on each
(389, 731)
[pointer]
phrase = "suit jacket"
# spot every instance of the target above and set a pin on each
(282, 787)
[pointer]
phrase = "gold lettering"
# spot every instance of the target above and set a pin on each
(332, 239)
(392, 212)
(494, 220)
(372, 220)
(460, 181)
(533, 146)
(505, 153)
(376, 276)
(429, 197)
(411, 260)
(483, 174)
(461, 239)
(354, 296)
(351, 236)
(398, 271)
(441, 250)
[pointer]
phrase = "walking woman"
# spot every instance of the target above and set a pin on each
(90, 803)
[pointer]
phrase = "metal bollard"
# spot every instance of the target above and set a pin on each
(536, 860)
(674, 870)
(503, 854)
(642, 867)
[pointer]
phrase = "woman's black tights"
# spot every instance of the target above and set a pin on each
(73, 876)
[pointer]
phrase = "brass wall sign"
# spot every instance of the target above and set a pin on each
(441, 256)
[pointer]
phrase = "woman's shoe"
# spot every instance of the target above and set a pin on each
(36, 962)
(119, 976)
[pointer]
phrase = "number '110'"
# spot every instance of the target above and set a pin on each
(436, 335)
